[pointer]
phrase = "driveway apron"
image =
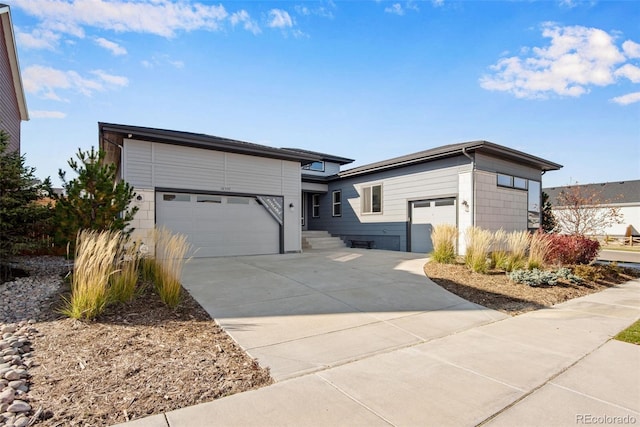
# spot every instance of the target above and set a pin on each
(300, 313)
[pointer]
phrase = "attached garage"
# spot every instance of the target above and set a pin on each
(218, 224)
(424, 215)
(227, 197)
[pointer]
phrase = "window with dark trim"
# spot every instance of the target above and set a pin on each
(372, 199)
(336, 198)
(315, 206)
(314, 166)
(176, 197)
(510, 181)
(505, 180)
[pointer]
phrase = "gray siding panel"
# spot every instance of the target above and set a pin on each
(10, 112)
(389, 229)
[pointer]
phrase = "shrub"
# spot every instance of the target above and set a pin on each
(95, 252)
(94, 200)
(570, 249)
(444, 237)
(123, 282)
(171, 250)
(536, 277)
(148, 268)
(539, 250)
(478, 242)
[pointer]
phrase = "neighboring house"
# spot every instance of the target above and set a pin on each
(624, 195)
(236, 198)
(12, 98)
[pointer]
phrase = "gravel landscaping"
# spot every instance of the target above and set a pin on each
(136, 360)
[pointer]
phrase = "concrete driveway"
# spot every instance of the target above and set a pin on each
(301, 313)
(381, 345)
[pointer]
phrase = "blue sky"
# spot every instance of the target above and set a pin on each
(367, 80)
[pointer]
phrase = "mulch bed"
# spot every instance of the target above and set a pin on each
(136, 360)
(494, 290)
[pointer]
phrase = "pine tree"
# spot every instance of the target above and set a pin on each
(94, 200)
(22, 210)
(549, 224)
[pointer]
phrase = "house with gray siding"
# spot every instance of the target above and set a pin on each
(12, 98)
(394, 204)
(232, 197)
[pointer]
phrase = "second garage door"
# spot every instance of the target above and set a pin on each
(424, 215)
(219, 225)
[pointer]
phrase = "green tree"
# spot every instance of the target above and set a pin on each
(548, 219)
(94, 200)
(24, 212)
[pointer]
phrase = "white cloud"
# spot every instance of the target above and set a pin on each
(630, 72)
(37, 39)
(627, 99)
(41, 114)
(160, 17)
(322, 10)
(576, 59)
(247, 23)
(46, 82)
(110, 78)
(158, 60)
(631, 49)
(395, 9)
(113, 47)
(437, 3)
(279, 18)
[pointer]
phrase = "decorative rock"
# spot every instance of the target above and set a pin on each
(3, 408)
(12, 375)
(7, 395)
(23, 388)
(16, 384)
(21, 422)
(19, 406)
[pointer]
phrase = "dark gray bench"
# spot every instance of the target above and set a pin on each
(365, 244)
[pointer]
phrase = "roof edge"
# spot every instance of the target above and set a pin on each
(450, 151)
(211, 142)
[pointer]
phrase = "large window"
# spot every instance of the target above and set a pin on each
(534, 202)
(372, 199)
(315, 206)
(314, 166)
(337, 203)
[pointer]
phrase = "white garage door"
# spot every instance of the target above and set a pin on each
(424, 215)
(219, 225)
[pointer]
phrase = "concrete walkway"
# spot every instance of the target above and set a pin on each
(361, 337)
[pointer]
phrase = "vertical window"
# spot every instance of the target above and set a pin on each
(337, 203)
(372, 199)
(315, 205)
(534, 201)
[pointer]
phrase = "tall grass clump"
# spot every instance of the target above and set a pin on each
(171, 250)
(499, 247)
(444, 237)
(94, 255)
(123, 282)
(539, 250)
(518, 244)
(478, 242)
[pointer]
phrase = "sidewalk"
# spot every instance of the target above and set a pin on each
(551, 367)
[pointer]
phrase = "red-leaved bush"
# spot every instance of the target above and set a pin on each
(565, 249)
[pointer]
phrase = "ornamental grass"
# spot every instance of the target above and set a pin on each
(444, 237)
